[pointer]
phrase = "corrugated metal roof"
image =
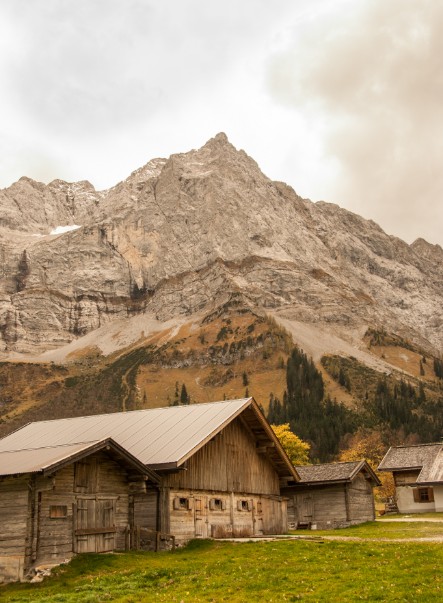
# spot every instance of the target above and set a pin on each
(426, 457)
(38, 459)
(158, 436)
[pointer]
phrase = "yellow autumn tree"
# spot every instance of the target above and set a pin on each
(367, 444)
(296, 449)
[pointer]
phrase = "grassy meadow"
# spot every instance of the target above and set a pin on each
(213, 571)
(388, 530)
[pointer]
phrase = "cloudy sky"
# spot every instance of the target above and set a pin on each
(342, 99)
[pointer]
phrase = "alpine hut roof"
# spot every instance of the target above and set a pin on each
(334, 472)
(47, 459)
(428, 458)
(161, 438)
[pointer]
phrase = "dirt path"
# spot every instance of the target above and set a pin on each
(369, 539)
(410, 520)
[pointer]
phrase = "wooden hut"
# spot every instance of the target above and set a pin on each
(220, 469)
(418, 476)
(331, 495)
(59, 500)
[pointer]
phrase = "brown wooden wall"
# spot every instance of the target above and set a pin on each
(231, 471)
(13, 527)
(404, 478)
(48, 519)
(211, 514)
(319, 504)
(107, 484)
(361, 500)
(332, 505)
(229, 462)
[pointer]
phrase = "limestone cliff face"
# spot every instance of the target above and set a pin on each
(186, 233)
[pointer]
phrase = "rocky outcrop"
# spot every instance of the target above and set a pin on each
(185, 233)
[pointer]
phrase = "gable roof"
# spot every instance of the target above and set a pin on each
(334, 472)
(428, 458)
(48, 459)
(162, 438)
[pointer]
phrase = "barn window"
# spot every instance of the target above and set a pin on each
(244, 505)
(182, 503)
(423, 495)
(217, 504)
(58, 511)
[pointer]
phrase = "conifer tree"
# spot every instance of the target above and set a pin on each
(184, 398)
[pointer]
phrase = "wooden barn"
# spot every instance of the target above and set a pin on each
(418, 476)
(331, 495)
(59, 500)
(219, 469)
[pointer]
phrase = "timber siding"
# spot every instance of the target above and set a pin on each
(334, 495)
(227, 488)
(203, 514)
(361, 500)
(85, 506)
(105, 493)
(405, 478)
(13, 527)
(228, 462)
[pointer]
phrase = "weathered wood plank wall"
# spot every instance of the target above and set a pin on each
(331, 506)
(83, 507)
(229, 462)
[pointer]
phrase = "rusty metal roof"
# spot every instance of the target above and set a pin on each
(159, 437)
(428, 458)
(47, 459)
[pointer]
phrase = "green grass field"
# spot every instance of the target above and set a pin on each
(216, 572)
(387, 530)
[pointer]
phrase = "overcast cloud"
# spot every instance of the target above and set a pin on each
(342, 99)
(374, 79)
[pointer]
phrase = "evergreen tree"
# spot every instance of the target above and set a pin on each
(184, 398)
(320, 422)
(438, 368)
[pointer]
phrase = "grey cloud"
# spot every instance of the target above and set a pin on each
(92, 65)
(375, 78)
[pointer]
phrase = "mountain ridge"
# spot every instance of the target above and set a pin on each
(181, 235)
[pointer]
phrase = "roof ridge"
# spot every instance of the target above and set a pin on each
(125, 412)
(418, 445)
(333, 463)
(96, 441)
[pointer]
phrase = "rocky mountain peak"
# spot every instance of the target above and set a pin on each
(184, 234)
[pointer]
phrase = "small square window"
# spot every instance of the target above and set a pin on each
(182, 503)
(244, 505)
(217, 504)
(423, 494)
(58, 511)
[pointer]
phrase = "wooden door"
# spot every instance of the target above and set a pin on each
(95, 526)
(305, 507)
(200, 525)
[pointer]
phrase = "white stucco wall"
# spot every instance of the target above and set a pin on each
(438, 496)
(406, 504)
